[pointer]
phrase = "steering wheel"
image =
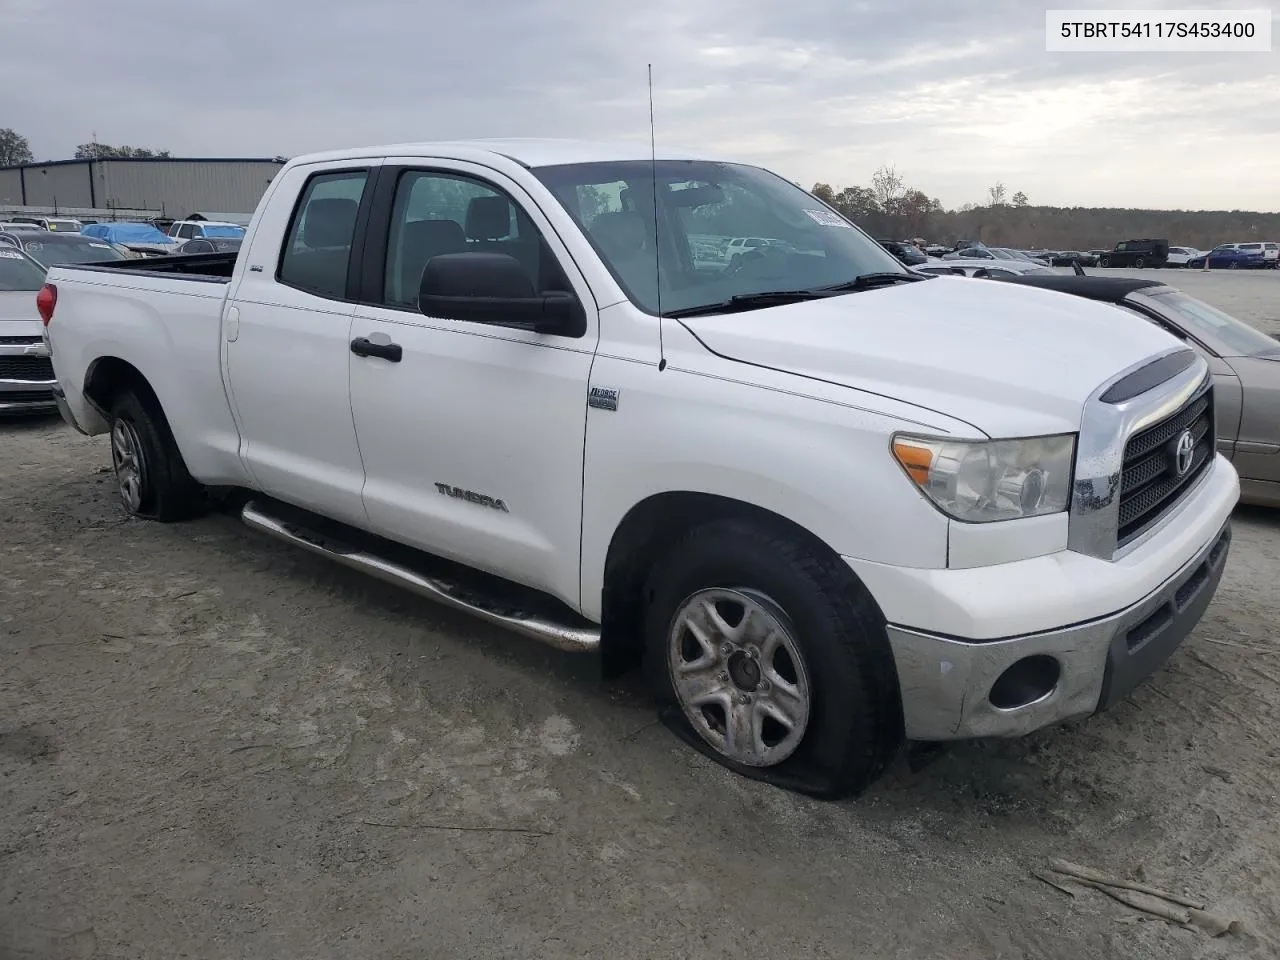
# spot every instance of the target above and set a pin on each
(751, 256)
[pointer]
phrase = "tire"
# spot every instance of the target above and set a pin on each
(1233, 265)
(1139, 263)
(1104, 262)
(151, 477)
(830, 671)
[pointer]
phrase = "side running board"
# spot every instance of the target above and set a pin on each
(562, 636)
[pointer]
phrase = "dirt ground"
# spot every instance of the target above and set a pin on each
(212, 745)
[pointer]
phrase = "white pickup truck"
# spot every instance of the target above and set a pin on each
(831, 504)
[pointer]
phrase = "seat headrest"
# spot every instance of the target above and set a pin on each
(330, 222)
(488, 218)
(441, 236)
(620, 234)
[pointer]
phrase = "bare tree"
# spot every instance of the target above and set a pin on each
(887, 187)
(14, 148)
(996, 194)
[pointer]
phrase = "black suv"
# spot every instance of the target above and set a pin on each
(908, 253)
(1137, 253)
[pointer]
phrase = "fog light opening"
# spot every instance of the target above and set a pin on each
(1028, 680)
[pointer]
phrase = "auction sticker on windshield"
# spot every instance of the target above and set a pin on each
(10, 255)
(828, 218)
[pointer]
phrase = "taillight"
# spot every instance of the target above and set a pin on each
(46, 300)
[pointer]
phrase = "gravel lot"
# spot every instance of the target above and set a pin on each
(214, 746)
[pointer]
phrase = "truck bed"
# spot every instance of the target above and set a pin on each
(204, 267)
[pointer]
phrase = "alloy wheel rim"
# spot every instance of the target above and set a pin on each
(128, 464)
(738, 675)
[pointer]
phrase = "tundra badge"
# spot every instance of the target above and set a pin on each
(471, 497)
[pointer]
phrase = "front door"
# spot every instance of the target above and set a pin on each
(287, 337)
(472, 434)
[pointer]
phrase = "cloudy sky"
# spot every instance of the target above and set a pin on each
(956, 95)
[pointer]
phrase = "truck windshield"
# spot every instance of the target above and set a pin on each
(701, 208)
(19, 273)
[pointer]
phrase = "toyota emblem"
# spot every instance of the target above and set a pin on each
(1184, 452)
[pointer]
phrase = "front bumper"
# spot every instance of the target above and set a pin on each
(25, 385)
(947, 683)
(27, 396)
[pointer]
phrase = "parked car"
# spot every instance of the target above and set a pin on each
(1137, 253)
(1230, 256)
(26, 375)
(53, 224)
(1178, 256)
(1065, 258)
(181, 230)
(1268, 251)
(139, 237)
(8, 226)
(906, 252)
(981, 268)
(48, 248)
(828, 502)
(1244, 362)
(211, 245)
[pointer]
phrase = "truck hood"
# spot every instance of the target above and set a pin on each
(19, 305)
(1009, 360)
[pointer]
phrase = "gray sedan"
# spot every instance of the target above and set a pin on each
(1245, 364)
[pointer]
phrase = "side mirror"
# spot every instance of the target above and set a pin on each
(494, 288)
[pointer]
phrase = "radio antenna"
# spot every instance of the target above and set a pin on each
(657, 258)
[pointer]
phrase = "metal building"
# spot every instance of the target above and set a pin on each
(175, 187)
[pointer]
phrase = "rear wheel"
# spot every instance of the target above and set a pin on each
(1233, 265)
(151, 477)
(1139, 262)
(1104, 262)
(775, 657)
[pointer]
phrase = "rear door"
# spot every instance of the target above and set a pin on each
(287, 338)
(473, 437)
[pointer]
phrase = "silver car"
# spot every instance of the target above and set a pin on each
(26, 373)
(1245, 364)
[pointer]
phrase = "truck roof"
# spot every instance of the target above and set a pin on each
(528, 152)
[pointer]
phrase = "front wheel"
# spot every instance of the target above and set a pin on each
(1233, 265)
(1104, 262)
(774, 659)
(1139, 263)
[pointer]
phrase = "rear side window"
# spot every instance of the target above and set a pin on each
(317, 249)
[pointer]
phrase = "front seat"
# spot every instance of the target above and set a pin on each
(420, 240)
(623, 239)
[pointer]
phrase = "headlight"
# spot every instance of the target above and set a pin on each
(979, 481)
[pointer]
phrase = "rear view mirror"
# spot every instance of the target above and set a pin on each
(697, 196)
(495, 288)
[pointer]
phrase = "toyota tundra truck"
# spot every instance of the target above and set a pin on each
(828, 504)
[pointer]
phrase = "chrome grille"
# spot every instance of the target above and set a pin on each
(1150, 481)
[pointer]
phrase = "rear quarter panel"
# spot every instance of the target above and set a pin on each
(170, 330)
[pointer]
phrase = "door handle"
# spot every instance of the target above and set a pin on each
(364, 347)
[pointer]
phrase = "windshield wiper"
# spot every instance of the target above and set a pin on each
(751, 301)
(866, 281)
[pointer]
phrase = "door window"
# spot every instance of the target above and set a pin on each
(317, 249)
(437, 213)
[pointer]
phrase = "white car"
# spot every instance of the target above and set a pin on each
(26, 375)
(983, 268)
(828, 502)
(183, 230)
(1178, 256)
